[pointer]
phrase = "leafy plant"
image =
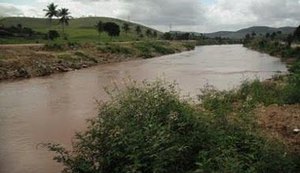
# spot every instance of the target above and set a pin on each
(150, 128)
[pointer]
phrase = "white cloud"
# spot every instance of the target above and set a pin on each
(236, 14)
(9, 10)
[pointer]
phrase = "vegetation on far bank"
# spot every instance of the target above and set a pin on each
(276, 44)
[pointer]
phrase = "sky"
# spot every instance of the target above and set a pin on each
(183, 15)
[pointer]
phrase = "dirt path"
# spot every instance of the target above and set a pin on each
(20, 45)
(281, 122)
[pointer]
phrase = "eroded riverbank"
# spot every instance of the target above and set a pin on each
(26, 61)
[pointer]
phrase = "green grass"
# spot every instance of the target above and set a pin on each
(274, 48)
(146, 49)
(79, 30)
(149, 128)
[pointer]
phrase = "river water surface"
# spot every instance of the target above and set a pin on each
(51, 109)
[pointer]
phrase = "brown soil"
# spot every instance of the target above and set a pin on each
(280, 122)
(25, 61)
(33, 60)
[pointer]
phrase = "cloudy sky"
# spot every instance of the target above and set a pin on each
(185, 15)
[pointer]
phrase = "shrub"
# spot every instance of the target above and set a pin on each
(112, 29)
(141, 130)
(53, 34)
(261, 92)
(54, 46)
(115, 48)
(292, 89)
(295, 68)
(148, 129)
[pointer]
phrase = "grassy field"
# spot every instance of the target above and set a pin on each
(79, 30)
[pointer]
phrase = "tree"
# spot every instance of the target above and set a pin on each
(297, 34)
(267, 35)
(126, 27)
(64, 15)
(112, 29)
(50, 13)
(138, 30)
(53, 34)
(148, 33)
(100, 27)
(155, 34)
(167, 36)
(289, 40)
(273, 35)
(20, 27)
(253, 34)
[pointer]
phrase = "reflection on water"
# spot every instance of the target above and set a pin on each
(53, 108)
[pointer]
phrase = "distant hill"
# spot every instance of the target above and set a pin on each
(257, 29)
(83, 23)
(78, 30)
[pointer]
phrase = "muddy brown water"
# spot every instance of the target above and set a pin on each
(51, 109)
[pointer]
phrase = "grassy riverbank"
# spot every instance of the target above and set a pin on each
(275, 48)
(25, 61)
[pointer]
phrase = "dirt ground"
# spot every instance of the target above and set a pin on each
(33, 60)
(281, 122)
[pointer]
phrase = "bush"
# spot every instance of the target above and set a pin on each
(112, 29)
(115, 48)
(261, 92)
(54, 46)
(292, 89)
(295, 68)
(53, 34)
(150, 129)
(141, 130)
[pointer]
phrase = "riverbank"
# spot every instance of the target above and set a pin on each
(280, 119)
(26, 61)
(275, 48)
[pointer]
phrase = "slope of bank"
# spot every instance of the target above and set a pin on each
(280, 119)
(17, 62)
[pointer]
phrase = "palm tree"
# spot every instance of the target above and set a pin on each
(64, 15)
(50, 13)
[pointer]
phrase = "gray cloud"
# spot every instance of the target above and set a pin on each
(186, 15)
(9, 10)
(278, 12)
(157, 12)
(237, 14)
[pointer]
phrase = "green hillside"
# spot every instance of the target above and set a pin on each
(257, 29)
(79, 29)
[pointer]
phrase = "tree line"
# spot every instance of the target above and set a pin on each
(113, 29)
(288, 39)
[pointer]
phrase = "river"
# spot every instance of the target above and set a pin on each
(51, 109)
